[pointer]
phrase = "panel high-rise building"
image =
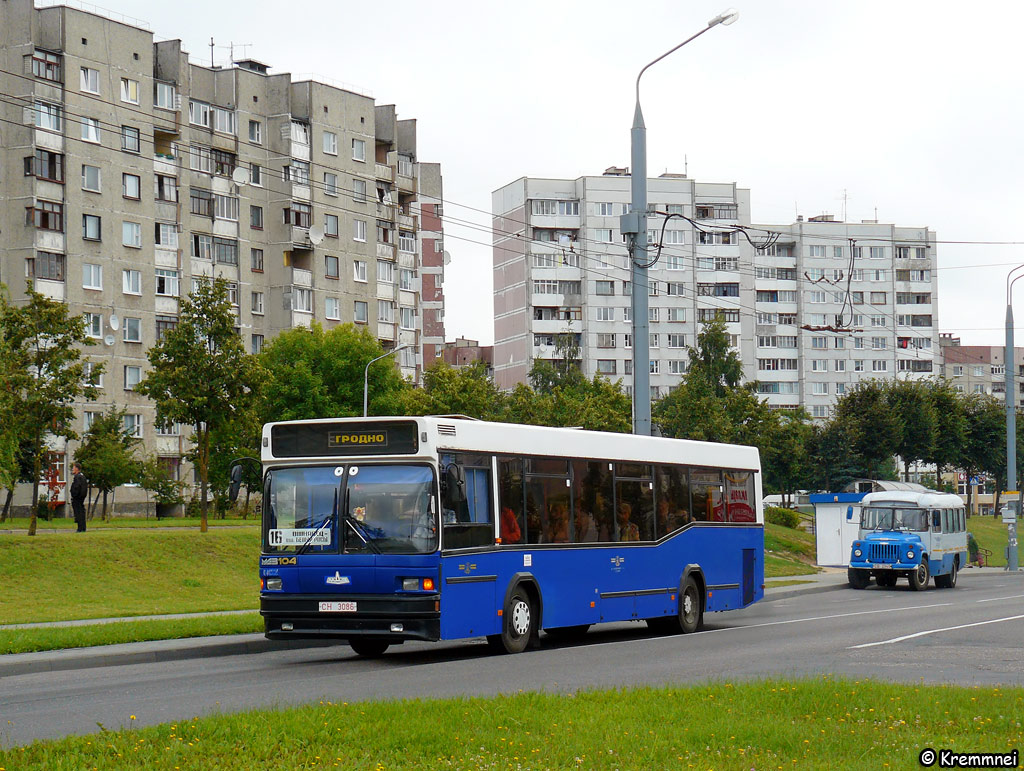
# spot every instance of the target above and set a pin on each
(130, 173)
(811, 306)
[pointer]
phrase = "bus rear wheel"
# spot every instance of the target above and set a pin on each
(368, 648)
(919, 577)
(518, 625)
(947, 581)
(859, 579)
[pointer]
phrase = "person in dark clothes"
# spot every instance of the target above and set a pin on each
(79, 491)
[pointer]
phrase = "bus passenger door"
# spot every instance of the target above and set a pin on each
(468, 600)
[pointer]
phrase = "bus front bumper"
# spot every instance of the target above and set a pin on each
(884, 567)
(292, 616)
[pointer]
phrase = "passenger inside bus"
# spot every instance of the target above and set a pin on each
(628, 531)
(510, 532)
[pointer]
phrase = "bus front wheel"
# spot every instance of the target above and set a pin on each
(691, 610)
(369, 649)
(919, 577)
(859, 579)
(518, 624)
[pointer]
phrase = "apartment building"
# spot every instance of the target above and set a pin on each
(980, 369)
(811, 306)
(130, 173)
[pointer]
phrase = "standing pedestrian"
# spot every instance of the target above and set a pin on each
(79, 491)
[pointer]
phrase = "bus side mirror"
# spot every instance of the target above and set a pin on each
(849, 513)
(236, 482)
(453, 485)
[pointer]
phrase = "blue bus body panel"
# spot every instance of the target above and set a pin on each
(592, 584)
(348, 573)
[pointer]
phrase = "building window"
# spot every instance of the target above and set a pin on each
(129, 91)
(165, 324)
(132, 330)
(46, 265)
(45, 165)
(331, 266)
(166, 97)
(90, 80)
(332, 308)
(359, 312)
(130, 139)
(47, 66)
(331, 225)
(256, 260)
(198, 113)
(406, 242)
(330, 143)
(877, 298)
(676, 340)
(225, 207)
(90, 130)
(256, 217)
(385, 272)
(202, 246)
(46, 215)
(93, 325)
(330, 183)
(200, 202)
(165, 188)
(257, 344)
(385, 311)
(133, 425)
(48, 116)
(167, 282)
(257, 303)
(91, 178)
(131, 281)
(300, 132)
(299, 215)
(605, 339)
(92, 276)
(405, 280)
(359, 230)
(131, 234)
(358, 189)
(131, 186)
(256, 132)
(255, 175)
(224, 163)
(200, 159)
(91, 227)
(358, 150)
(303, 300)
(224, 121)
(225, 251)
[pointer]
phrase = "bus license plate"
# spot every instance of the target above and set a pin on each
(337, 607)
(875, 565)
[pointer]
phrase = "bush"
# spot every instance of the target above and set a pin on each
(785, 517)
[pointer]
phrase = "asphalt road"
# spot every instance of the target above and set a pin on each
(970, 635)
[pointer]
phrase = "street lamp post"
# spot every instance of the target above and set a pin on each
(634, 224)
(1011, 419)
(366, 374)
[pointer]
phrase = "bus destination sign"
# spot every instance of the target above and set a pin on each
(294, 440)
(357, 438)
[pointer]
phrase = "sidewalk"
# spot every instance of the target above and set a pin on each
(829, 580)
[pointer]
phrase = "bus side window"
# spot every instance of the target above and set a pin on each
(510, 499)
(937, 521)
(472, 521)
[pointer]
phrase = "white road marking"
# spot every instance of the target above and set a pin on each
(935, 631)
(994, 599)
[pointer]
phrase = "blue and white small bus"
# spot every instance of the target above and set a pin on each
(912, 535)
(381, 530)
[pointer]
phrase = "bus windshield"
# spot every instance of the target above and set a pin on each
(355, 508)
(891, 518)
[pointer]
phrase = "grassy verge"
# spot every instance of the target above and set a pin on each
(788, 552)
(66, 523)
(815, 724)
(991, 534)
(110, 573)
(58, 638)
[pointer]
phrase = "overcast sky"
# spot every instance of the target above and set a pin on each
(911, 109)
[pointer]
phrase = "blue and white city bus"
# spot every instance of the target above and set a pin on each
(912, 535)
(381, 530)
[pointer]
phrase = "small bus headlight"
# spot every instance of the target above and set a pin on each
(273, 584)
(910, 555)
(856, 552)
(410, 584)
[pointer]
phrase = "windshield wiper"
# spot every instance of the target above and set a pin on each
(334, 508)
(359, 528)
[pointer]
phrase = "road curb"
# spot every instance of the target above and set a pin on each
(786, 593)
(148, 653)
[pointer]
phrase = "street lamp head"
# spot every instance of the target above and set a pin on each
(725, 18)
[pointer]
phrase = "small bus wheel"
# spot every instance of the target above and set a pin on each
(691, 610)
(859, 579)
(947, 581)
(517, 623)
(367, 648)
(919, 577)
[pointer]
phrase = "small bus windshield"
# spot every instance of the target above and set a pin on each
(891, 518)
(390, 509)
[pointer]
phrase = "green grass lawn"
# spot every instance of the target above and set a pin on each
(66, 523)
(990, 533)
(788, 551)
(117, 572)
(817, 724)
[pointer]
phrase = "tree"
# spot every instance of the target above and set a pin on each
(47, 374)
(872, 429)
(950, 425)
(911, 400)
(316, 374)
(449, 390)
(785, 458)
(107, 454)
(984, 450)
(156, 478)
(563, 370)
(201, 376)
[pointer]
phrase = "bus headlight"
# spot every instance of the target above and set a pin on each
(410, 584)
(274, 584)
(910, 555)
(856, 552)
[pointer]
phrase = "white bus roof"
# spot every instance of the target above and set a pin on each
(927, 499)
(439, 434)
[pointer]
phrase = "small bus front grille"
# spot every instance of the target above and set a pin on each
(884, 552)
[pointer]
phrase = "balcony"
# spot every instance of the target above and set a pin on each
(385, 251)
(164, 163)
(407, 221)
(385, 172)
(303, 278)
(300, 237)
